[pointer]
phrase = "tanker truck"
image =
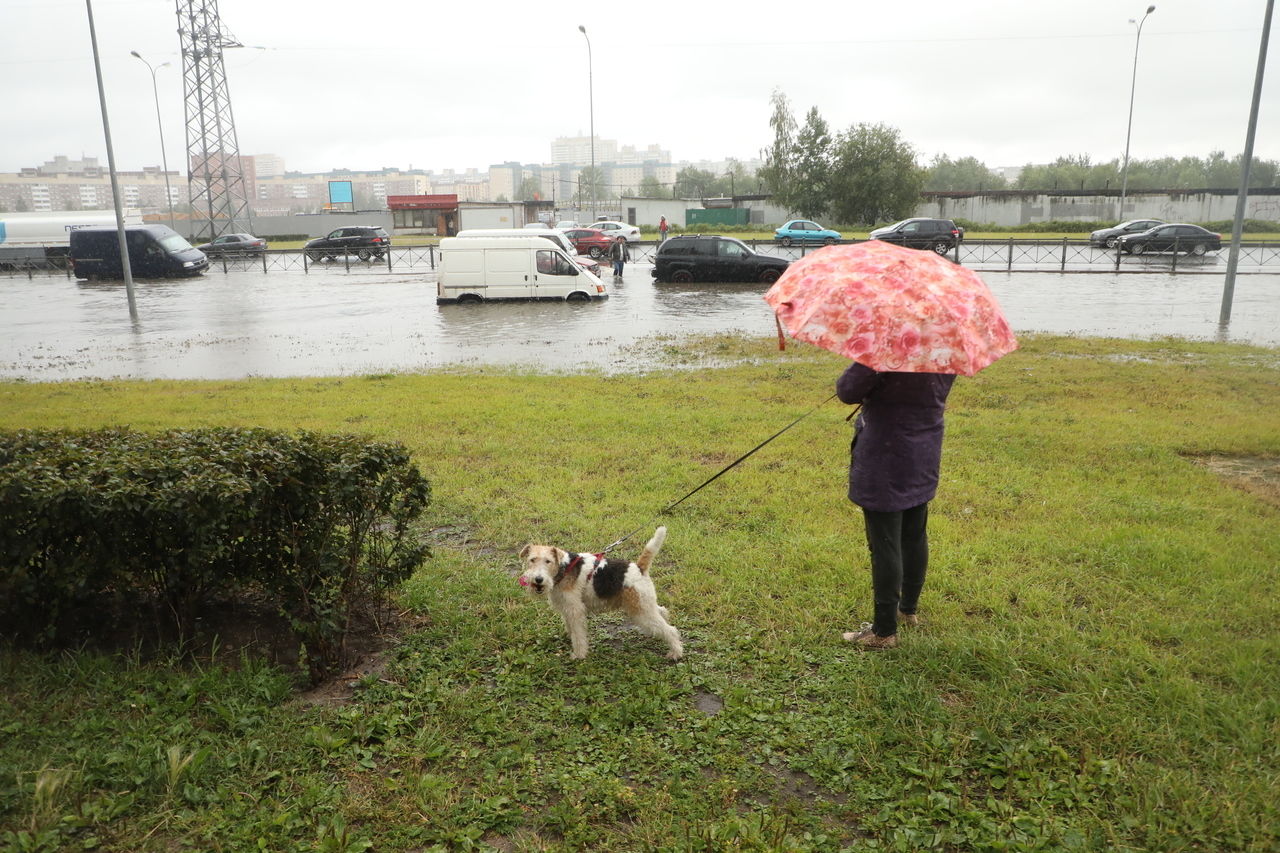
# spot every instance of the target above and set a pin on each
(44, 237)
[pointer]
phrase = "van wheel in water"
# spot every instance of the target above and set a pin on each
(682, 276)
(769, 276)
(469, 299)
(577, 296)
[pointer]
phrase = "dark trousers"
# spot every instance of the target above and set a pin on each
(899, 544)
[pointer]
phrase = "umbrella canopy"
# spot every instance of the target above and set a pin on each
(892, 309)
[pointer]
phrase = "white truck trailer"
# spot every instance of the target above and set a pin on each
(34, 238)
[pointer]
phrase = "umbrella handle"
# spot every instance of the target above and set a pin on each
(782, 341)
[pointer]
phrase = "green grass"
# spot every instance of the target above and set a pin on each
(1098, 668)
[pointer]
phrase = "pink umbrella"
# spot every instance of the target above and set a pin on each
(892, 309)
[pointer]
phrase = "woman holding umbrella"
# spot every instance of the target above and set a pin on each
(911, 321)
(893, 474)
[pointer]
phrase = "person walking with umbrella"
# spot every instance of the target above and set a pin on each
(911, 321)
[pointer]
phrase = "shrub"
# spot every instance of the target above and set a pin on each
(319, 524)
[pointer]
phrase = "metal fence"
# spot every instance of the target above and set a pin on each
(1008, 255)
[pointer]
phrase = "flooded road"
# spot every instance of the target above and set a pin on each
(250, 323)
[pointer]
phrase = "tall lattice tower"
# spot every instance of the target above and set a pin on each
(215, 177)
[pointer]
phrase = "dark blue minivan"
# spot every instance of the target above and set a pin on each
(155, 251)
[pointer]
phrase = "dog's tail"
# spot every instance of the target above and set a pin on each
(651, 550)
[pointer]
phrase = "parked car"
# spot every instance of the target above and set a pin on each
(536, 225)
(618, 229)
(590, 241)
(708, 257)
(804, 231)
(941, 235)
(363, 241)
(568, 223)
(1107, 237)
(234, 244)
(1178, 237)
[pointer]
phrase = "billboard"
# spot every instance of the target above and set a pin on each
(340, 194)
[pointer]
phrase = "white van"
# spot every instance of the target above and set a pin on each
(476, 269)
(554, 236)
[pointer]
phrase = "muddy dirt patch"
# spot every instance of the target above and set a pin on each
(1257, 475)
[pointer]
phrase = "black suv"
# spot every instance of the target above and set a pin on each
(703, 257)
(363, 241)
(941, 235)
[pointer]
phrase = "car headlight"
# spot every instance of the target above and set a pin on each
(190, 263)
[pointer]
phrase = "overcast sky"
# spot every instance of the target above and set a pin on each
(440, 84)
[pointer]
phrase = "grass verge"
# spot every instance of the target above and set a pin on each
(1097, 670)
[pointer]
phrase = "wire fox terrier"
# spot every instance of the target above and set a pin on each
(577, 585)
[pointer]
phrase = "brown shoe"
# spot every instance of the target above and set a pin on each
(866, 639)
(909, 619)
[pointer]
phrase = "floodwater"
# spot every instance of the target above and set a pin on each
(250, 323)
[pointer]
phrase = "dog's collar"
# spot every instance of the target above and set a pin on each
(575, 563)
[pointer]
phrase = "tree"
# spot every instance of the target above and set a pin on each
(1073, 172)
(775, 174)
(809, 193)
(651, 187)
(966, 173)
(874, 176)
(530, 188)
(698, 182)
(591, 186)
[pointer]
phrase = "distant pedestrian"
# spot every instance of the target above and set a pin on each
(663, 228)
(619, 253)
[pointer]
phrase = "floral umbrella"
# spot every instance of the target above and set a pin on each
(892, 309)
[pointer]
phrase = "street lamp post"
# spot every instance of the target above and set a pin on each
(164, 157)
(126, 269)
(1124, 181)
(591, 102)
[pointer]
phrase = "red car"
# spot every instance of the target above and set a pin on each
(589, 241)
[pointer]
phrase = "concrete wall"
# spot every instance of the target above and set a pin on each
(312, 225)
(1011, 207)
(650, 210)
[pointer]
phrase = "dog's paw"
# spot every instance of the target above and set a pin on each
(674, 656)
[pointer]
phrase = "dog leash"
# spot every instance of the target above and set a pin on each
(717, 476)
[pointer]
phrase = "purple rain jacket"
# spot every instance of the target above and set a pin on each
(897, 447)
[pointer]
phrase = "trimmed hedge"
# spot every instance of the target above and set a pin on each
(112, 518)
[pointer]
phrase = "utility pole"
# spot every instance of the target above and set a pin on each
(1246, 161)
(125, 267)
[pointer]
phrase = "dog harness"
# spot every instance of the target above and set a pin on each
(575, 564)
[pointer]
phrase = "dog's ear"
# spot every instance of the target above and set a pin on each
(524, 552)
(562, 556)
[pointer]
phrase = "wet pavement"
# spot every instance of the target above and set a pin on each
(250, 323)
